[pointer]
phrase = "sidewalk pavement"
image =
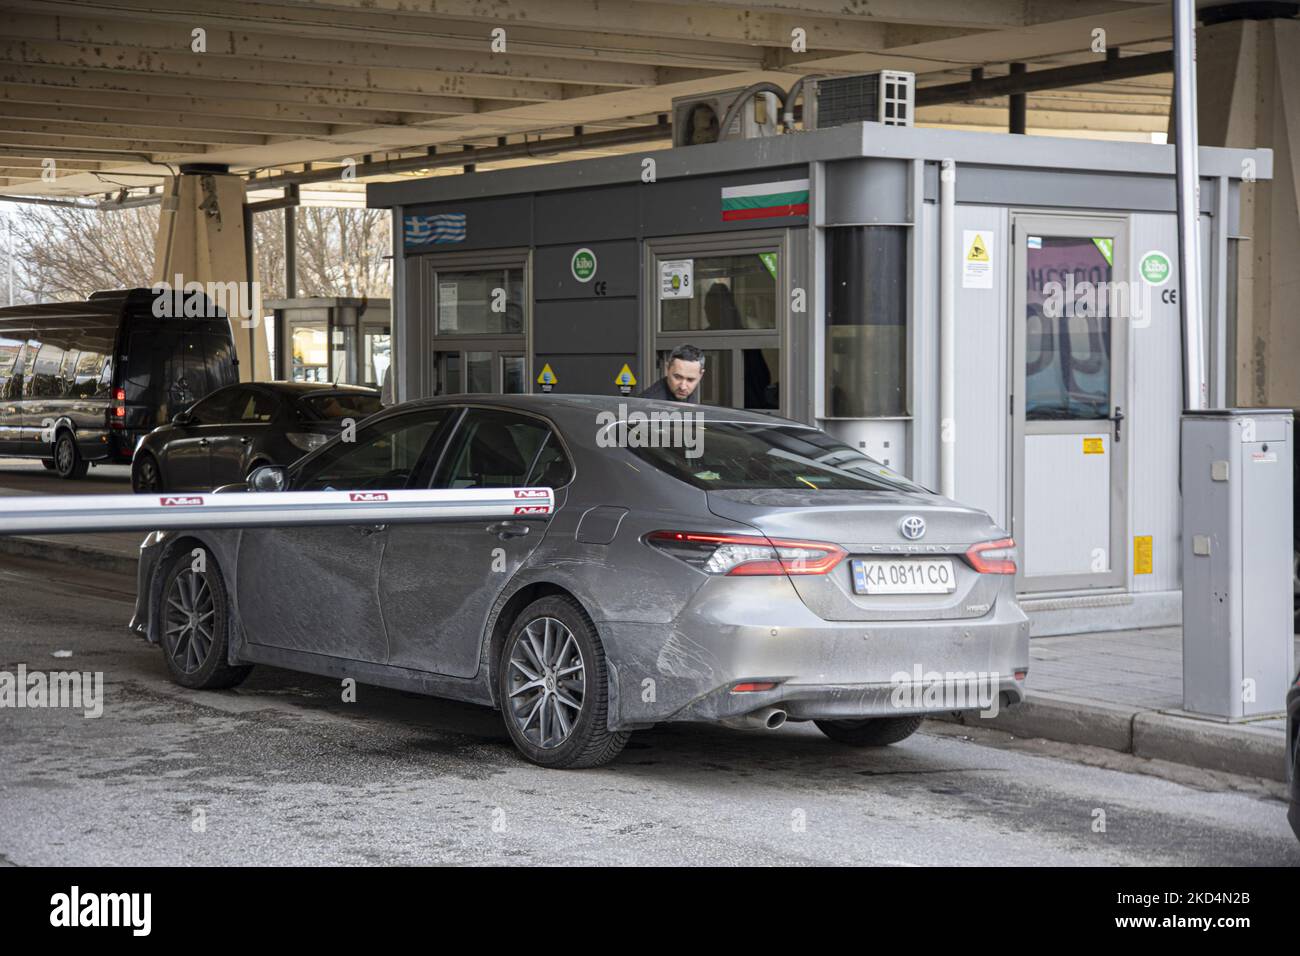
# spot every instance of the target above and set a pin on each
(1121, 690)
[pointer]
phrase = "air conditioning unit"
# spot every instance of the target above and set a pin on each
(698, 119)
(887, 96)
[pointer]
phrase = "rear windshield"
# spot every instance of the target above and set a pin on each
(723, 455)
(331, 406)
(175, 367)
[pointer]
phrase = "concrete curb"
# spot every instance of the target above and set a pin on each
(1236, 748)
(1232, 748)
(69, 552)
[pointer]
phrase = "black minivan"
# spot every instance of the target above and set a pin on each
(81, 382)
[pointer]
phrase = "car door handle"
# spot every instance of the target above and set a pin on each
(245, 440)
(508, 529)
(369, 529)
(203, 443)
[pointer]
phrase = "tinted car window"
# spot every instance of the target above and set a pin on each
(216, 409)
(716, 455)
(491, 449)
(87, 376)
(10, 349)
(45, 372)
(251, 405)
(384, 455)
(552, 468)
(332, 406)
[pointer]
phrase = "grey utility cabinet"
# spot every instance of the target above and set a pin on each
(1238, 650)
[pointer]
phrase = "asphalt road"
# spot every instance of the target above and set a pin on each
(282, 771)
(30, 476)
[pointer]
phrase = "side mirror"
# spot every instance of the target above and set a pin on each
(268, 478)
(182, 418)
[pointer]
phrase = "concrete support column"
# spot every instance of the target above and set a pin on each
(201, 239)
(1249, 95)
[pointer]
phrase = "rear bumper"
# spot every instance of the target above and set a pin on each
(110, 446)
(757, 630)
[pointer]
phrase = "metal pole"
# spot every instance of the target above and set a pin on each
(290, 253)
(9, 249)
(1195, 391)
(948, 253)
(1016, 111)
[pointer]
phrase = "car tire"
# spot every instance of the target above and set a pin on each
(68, 462)
(146, 476)
(194, 625)
(551, 661)
(872, 731)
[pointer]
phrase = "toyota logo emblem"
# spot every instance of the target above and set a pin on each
(912, 527)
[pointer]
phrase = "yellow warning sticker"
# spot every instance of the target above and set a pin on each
(1094, 446)
(1142, 554)
(977, 252)
(625, 377)
(547, 377)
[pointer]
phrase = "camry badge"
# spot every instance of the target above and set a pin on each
(912, 527)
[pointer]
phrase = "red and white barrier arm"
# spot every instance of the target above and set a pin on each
(69, 514)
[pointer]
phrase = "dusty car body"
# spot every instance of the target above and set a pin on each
(709, 596)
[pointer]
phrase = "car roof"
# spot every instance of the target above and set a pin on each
(579, 409)
(303, 389)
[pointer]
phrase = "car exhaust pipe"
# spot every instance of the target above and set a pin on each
(765, 718)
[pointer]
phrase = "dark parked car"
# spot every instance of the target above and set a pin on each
(219, 440)
(81, 382)
(751, 571)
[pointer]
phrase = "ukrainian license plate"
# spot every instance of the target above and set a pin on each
(903, 576)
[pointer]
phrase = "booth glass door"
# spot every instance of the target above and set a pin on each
(1070, 329)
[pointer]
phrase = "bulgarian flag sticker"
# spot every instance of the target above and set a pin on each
(765, 200)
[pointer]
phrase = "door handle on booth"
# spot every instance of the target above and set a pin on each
(508, 529)
(1118, 419)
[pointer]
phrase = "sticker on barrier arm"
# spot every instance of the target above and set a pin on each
(1094, 446)
(625, 380)
(72, 514)
(1142, 561)
(547, 378)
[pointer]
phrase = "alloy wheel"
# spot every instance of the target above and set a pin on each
(148, 475)
(63, 455)
(189, 625)
(547, 682)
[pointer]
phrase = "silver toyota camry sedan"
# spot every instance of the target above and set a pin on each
(701, 564)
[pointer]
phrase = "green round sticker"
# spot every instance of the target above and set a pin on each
(1155, 268)
(583, 265)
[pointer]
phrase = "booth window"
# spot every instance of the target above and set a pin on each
(732, 294)
(731, 314)
(478, 321)
(866, 321)
(1067, 344)
(481, 302)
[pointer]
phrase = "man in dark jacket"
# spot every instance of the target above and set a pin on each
(682, 374)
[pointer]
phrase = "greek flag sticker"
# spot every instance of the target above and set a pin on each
(430, 230)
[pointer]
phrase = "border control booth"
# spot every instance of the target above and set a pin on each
(807, 267)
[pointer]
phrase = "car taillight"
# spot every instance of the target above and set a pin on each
(743, 554)
(993, 557)
(117, 414)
